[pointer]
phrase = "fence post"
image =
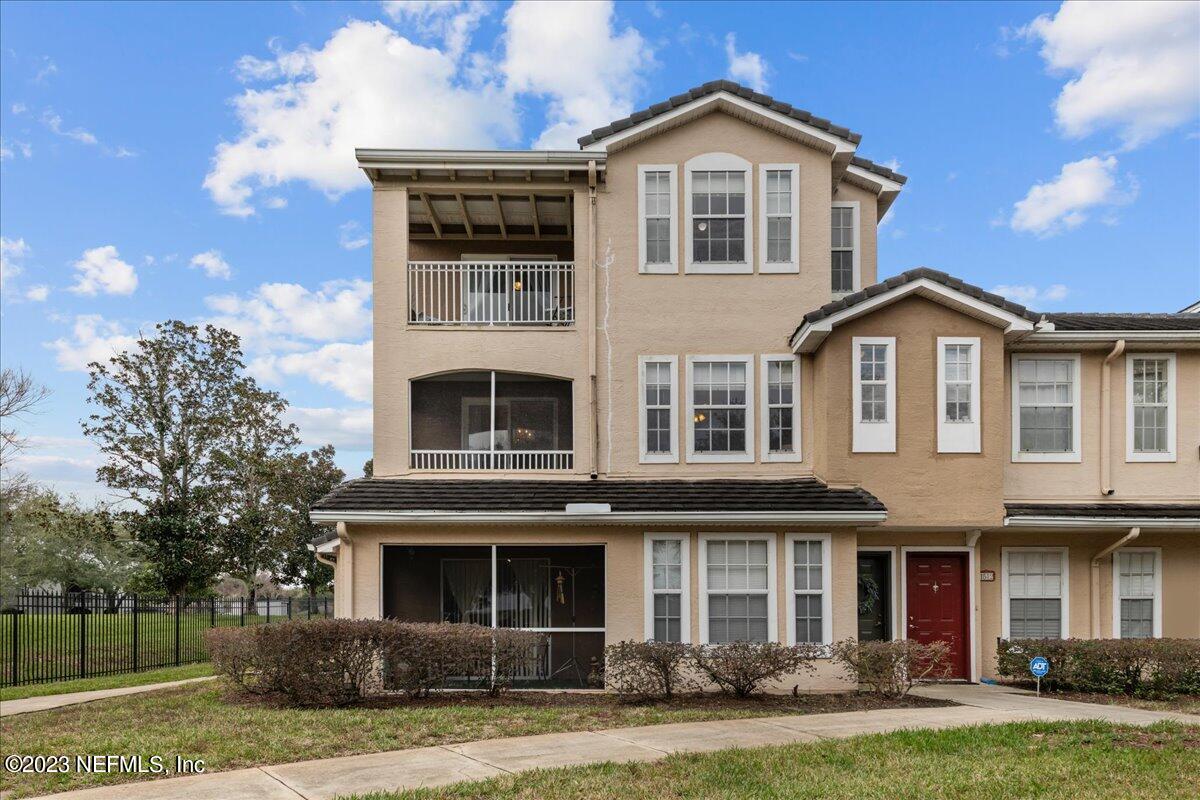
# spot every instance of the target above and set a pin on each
(15, 639)
(268, 609)
(289, 608)
(135, 632)
(83, 642)
(242, 611)
(178, 607)
(212, 616)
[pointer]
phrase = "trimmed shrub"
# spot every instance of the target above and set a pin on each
(421, 658)
(647, 670)
(741, 668)
(514, 652)
(1143, 667)
(890, 669)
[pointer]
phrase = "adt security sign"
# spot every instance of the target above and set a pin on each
(1039, 666)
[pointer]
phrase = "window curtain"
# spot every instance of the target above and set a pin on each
(469, 583)
(525, 593)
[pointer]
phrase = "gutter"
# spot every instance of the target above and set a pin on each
(1181, 523)
(593, 333)
(601, 518)
(1095, 576)
(1106, 488)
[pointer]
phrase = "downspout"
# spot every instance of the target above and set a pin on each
(1106, 488)
(1096, 559)
(593, 333)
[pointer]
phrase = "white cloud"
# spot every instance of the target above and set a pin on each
(1026, 294)
(344, 428)
(341, 365)
(37, 293)
(93, 338)
(1061, 204)
(275, 202)
(275, 315)
(213, 264)
(12, 253)
(746, 68)
(892, 163)
(55, 123)
(1136, 66)
(452, 21)
(351, 236)
(572, 55)
(101, 270)
(7, 150)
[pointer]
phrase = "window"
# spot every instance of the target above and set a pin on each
(1045, 407)
(780, 403)
(737, 574)
(874, 394)
(717, 190)
(658, 409)
(720, 426)
(779, 224)
(1150, 415)
(1035, 595)
(844, 246)
(656, 218)
(958, 395)
(808, 589)
(1137, 592)
(667, 593)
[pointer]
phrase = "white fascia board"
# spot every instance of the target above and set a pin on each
(880, 183)
(477, 159)
(330, 546)
(613, 518)
(1101, 522)
(818, 330)
(1047, 336)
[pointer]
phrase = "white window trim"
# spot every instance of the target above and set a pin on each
(730, 163)
(1168, 455)
(826, 588)
(793, 264)
(685, 583)
(874, 437)
(958, 437)
(645, 457)
(671, 267)
(893, 562)
(856, 261)
(1074, 456)
(772, 601)
(728, 458)
(765, 409)
(1064, 588)
(1116, 589)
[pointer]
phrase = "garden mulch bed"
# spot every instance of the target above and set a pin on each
(1184, 703)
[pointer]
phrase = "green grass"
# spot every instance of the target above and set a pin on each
(107, 681)
(1059, 761)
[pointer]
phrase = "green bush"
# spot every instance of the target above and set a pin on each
(1142, 667)
(648, 670)
(890, 669)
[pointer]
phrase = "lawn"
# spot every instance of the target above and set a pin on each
(226, 730)
(107, 681)
(1060, 761)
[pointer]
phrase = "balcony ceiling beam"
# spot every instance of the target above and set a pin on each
(500, 216)
(570, 216)
(433, 218)
(462, 206)
(537, 224)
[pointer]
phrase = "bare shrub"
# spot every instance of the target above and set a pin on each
(741, 668)
(890, 669)
(647, 670)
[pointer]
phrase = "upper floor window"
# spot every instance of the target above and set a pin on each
(720, 427)
(844, 246)
(1150, 415)
(667, 591)
(719, 210)
(737, 575)
(1045, 405)
(659, 418)
(1035, 595)
(780, 403)
(1137, 593)
(656, 218)
(779, 226)
(874, 394)
(958, 395)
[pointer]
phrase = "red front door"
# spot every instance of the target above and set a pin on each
(937, 604)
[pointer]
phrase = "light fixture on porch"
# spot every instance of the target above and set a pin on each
(517, 285)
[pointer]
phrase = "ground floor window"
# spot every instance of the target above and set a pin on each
(737, 587)
(667, 588)
(1035, 581)
(808, 589)
(1136, 590)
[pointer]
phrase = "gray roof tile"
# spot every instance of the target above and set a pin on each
(1076, 321)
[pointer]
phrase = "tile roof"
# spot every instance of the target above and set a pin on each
(1125, 322)
(878, 169)
(712, 87)
(1110, 510)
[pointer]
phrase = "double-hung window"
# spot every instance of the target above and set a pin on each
(1035, 593)
(779, 223)
(808, 589)
(737, 590)
(720, 425)
(718, 196)
(658, 416)
(1137, 593)
(1045, 405)
(667, 587)
(1150, 402)
(844, 255)
(958, 394)
(656, 218)
(780, 404)
(874, 389)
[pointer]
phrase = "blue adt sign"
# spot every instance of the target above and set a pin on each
(1039, 666)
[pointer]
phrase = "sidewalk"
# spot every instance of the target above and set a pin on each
(435, 766)
(46, 702)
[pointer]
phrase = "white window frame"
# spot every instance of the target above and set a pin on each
(1167, 455)
(1064, 588)
(772, 601)
(644, 456)
(826, 589)
(729, 458)
(765, 408)
(874, 437)
(718, 162)
(1116, 589)
(1074, 456)
(792, 265)
(670, 267)
(856, 259)
(958, 437)
(685, 584)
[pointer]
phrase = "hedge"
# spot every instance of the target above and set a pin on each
(1142, 667)
(656, 670)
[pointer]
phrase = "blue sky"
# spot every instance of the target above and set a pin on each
(195, 160)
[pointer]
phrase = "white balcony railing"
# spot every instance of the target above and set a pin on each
(492, 460)
(491, 293)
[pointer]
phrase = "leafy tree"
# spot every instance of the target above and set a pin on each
(310, 476)
(369, 468)
(19, 396)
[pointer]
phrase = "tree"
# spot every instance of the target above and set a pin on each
(369, 468)
(19, 395)
(311, 476)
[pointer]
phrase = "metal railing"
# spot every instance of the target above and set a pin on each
(516, 293)
(492, 460)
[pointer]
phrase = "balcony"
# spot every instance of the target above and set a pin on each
(509, 293)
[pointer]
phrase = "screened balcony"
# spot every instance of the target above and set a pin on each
(499, 421)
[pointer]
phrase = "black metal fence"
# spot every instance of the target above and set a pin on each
(52, 637)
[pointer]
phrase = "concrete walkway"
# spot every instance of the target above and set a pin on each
(435, 766)
(26, 705)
